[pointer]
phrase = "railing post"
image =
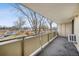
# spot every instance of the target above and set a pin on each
(48, 36)
(22, 47)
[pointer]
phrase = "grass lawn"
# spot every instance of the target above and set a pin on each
(10, 37)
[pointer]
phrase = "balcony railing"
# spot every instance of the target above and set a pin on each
(24, 46)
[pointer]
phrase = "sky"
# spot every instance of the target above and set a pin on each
(9, 14)
(6, 15)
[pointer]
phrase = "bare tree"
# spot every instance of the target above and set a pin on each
(50, 24)
(19, 23)
(33, 20)
(19, 8)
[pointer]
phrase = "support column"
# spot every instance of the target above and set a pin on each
(73, 26)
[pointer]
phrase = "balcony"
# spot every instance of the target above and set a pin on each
(60, 47)
(47, 42)
(24, 46)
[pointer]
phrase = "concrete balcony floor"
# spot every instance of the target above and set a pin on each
(59, 47)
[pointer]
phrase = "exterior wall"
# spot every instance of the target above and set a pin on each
(68, 28)
(76, 27)
(60, 29)
(65, 29)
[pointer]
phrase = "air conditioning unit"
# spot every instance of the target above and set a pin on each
(72, 38)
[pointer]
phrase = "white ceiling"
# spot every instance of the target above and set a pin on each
(59, 12)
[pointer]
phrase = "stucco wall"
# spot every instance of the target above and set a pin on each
(68, 28)
(76, 27)
(59, 29)
(65, 29)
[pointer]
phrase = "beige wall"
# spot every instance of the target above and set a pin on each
(60, 29)
(65, 29)
(68, 28)
(76, 27)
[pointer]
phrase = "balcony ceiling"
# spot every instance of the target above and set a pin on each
(59, 12)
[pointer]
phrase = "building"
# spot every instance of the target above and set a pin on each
(67, 18)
